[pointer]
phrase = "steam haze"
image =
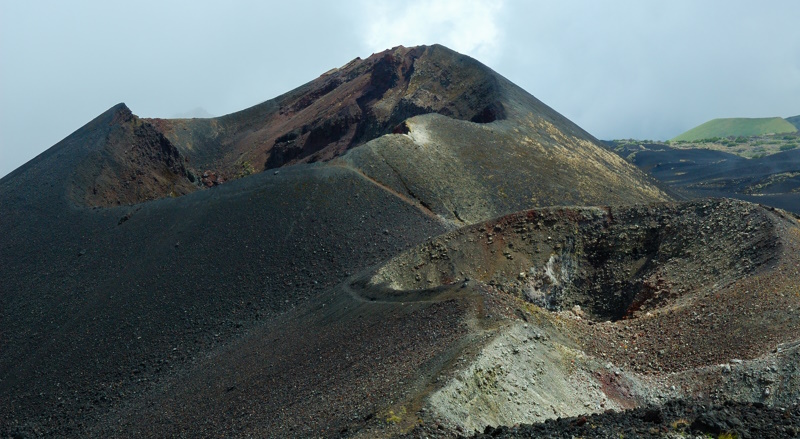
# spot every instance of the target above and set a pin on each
(618, 69)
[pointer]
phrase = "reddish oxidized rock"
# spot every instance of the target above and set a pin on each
(211, 178)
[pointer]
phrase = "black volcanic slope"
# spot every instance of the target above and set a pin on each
(773, 180)
(142, 297)
(794, 120)
(99, 304)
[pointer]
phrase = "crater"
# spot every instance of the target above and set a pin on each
(601, 263)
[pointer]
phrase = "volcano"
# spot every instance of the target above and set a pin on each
(370, 254)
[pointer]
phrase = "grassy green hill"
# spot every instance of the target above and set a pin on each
(794, 120)
(734, 127)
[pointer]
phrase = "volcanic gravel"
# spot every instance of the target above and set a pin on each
(674, 419)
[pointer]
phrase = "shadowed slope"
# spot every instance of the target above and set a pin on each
(794, 120)
(115, 159)
(137, 164)
(772, 180)
(99, 305)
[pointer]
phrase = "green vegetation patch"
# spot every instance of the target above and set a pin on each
(747, 147)
(737, 127)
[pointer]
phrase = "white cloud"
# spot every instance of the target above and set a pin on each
(467, 26)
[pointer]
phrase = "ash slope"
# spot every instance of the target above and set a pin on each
(212, 296)
(101, 305)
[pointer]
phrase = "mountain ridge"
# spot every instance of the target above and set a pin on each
(141, 159)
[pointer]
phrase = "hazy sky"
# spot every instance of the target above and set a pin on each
(642, 69)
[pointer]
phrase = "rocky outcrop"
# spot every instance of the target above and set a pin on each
(135, 163)
(344, 108)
